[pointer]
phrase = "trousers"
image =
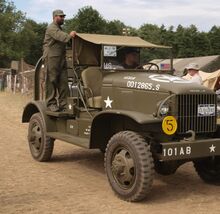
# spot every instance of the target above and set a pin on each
(57, 89)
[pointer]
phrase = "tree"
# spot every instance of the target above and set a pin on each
(21, 37)
(201, 44)
(11, 22)
(87, 20)
(150, 33)
(114, 27)
(31, 40)
(214, 38)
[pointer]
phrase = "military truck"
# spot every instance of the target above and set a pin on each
(144, 120)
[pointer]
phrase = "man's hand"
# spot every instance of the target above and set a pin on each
(73, 33)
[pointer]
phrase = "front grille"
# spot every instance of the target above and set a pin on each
(187, 115)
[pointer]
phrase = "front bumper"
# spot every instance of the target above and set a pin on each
(189, 149)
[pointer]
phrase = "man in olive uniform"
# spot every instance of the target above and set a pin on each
(55, 61)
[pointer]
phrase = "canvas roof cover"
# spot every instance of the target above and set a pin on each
(88, 46)
(131, 41)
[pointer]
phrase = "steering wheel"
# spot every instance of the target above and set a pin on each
(151, 64)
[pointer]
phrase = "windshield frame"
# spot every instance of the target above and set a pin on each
(107, 66)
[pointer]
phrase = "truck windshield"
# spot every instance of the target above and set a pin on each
(130, 58)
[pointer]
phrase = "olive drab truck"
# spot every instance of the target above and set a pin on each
(143, 119)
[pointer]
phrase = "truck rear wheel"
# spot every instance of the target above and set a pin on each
(209, 169)
(129, 166)
(41, 146)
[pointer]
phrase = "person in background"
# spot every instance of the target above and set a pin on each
(55, 61)
(193, 74)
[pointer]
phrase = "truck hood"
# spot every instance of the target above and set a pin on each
(153, 82)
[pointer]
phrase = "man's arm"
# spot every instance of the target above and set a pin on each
(59, 35)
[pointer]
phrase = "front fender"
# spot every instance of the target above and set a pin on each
(107, 123)
(138, 117)
(35, 107)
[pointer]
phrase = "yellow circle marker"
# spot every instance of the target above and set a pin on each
(169, 125)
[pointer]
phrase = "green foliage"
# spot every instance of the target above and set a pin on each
(214, 38)
(11, 22)
(22, 37)
(87, 20)
(150, 33)
(114, 27)
(19, 37)
(31, 40)
(156, 35)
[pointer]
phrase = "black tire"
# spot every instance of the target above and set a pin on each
(41, 146)
(165, 168)
(129, 166)
(209, 169)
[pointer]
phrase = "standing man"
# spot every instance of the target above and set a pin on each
(193, 74)
(55, 60)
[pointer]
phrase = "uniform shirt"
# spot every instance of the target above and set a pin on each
(55, 41)
(194, 79)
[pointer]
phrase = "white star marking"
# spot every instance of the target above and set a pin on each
(70, 106)
(108, 102)
(212, 148)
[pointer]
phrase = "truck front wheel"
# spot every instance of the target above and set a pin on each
(129, 166)
(41, 146)
(209, 169)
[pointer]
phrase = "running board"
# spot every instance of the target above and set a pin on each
(79, 141)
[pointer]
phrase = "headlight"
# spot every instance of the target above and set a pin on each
(164, 109)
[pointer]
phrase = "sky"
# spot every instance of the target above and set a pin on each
(202, 13)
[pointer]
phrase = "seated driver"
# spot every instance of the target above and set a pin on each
(131, 58)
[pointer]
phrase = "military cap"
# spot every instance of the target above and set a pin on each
(58, 13)
(132, 50)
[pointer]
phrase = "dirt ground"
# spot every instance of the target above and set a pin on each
(74, 180)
